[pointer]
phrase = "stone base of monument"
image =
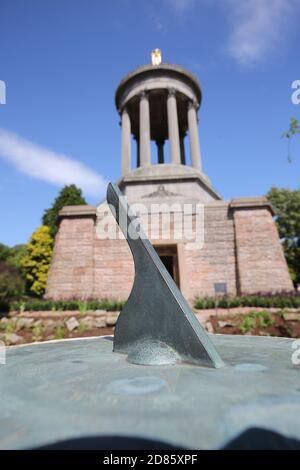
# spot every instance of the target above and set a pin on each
(57, 391)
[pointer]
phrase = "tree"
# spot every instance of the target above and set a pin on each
(37, 260)
(68, 196)
(4, 252)
(293, 130)
(16, 253)
(11, 285)
(287, 206)
(12, 256)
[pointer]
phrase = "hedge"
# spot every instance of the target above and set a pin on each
(35, 305)
(265, 301)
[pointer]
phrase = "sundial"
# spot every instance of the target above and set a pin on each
(161, 377)
(156, 325)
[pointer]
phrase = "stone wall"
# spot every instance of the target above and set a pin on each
(114, 269)
(215, 262)
(260, 260)
(241, 248)
(72, 269)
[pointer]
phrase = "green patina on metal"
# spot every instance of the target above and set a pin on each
(156, 325)
(56, 391)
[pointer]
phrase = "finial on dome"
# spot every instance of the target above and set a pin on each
(156, 57)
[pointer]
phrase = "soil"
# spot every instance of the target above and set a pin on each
(27, 334)
(280, 323)
(232, 326)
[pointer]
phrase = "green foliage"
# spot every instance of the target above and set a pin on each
(83, 306)
(37, 332)
(287, 206)
(9, 327)
(4, 252)
(247, 324)
(261, 301)
(11, 285)
(261, 319)
(60, 332)
(68, 196)
(293, 130)
(36, 305)
(12, 255)
(12, 282)
(16, 254)
(37, 260)
(265, 319)
(31, 262)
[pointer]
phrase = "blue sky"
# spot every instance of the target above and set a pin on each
(62, 60)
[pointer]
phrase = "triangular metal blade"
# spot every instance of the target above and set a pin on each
(156, 325)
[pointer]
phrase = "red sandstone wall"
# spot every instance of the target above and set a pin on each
(215, 262)
(72, 270)
(114, 269)
(261, 263)
(240, 248)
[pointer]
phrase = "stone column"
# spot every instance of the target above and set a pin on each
(138, 163)
(182, 149)
(145, 147)
(126, 142)
(160, 150)
(194, 136)
(173, 127)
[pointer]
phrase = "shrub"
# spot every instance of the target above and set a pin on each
(265, 319)
(247, 324)
(83, 307)
(63, 305)
(199, 304)
(36, 262)
(224, 302)
(10, 327)
(11, 285)
(210, 303)
(234, 302)
(60, 332)
(262, 301)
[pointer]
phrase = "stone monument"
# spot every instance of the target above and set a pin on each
(239, 250)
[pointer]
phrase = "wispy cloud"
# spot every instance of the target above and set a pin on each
(257, 27)
(46, 165)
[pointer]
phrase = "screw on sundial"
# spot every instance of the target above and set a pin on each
(156, 325)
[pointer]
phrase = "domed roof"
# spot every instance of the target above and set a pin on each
(162, 70)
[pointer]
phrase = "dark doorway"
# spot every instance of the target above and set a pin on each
(168, 262)
(169, 257)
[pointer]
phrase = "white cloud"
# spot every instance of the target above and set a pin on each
(46, 165)
(257, 27)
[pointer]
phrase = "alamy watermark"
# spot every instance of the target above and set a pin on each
(156, 221)
(295, 97)
(2, 92)
(2, 353)
(296, 354)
